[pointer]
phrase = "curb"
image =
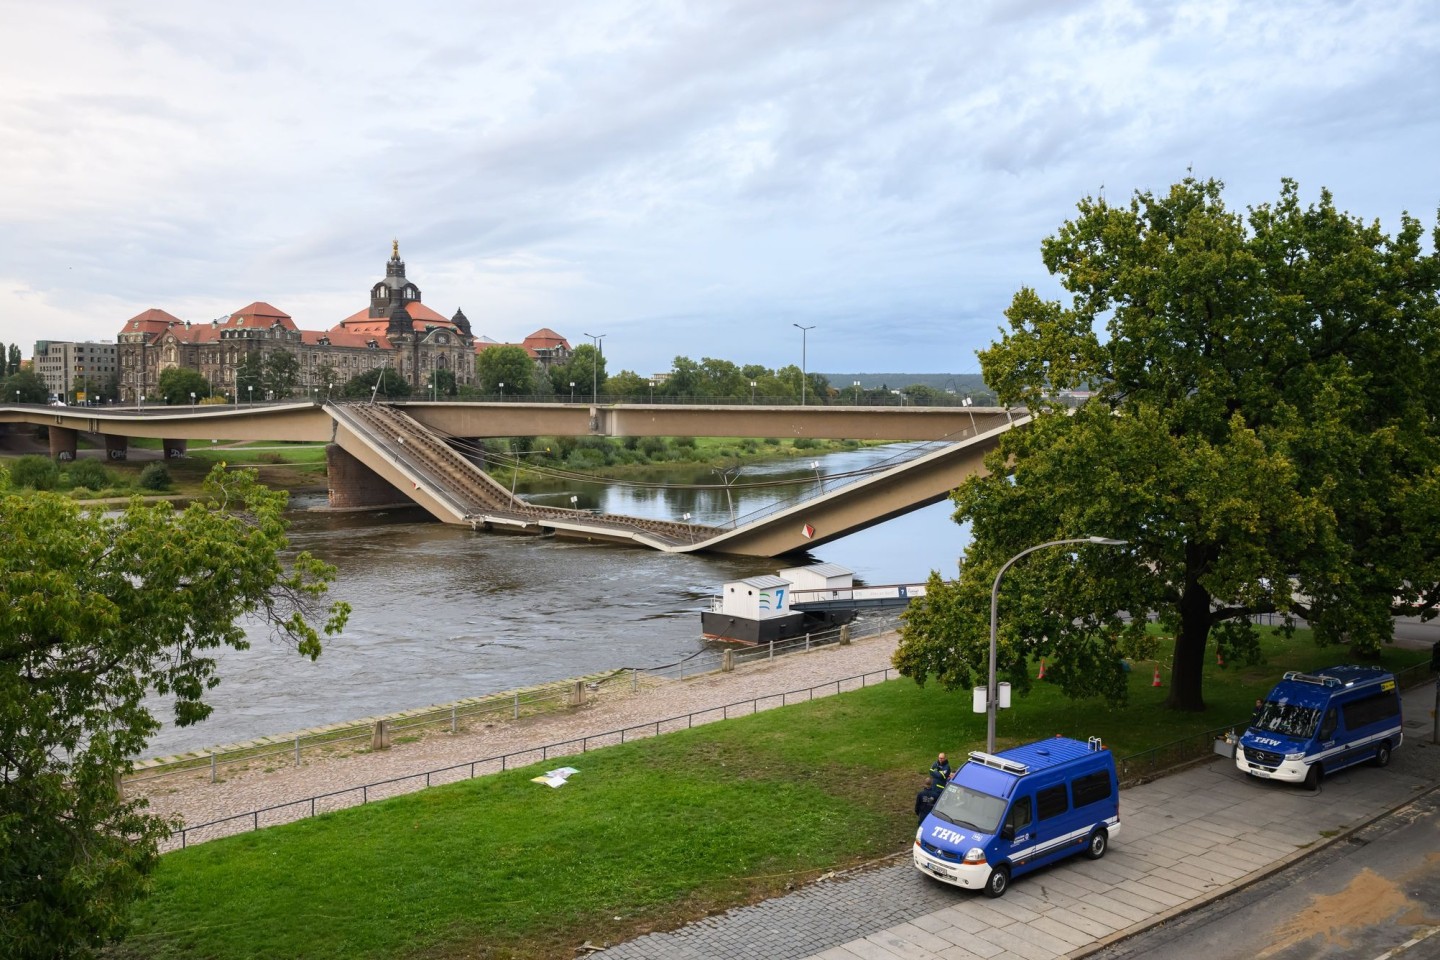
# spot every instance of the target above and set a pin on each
(1249, 880)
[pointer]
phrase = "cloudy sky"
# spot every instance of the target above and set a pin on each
(682, 177)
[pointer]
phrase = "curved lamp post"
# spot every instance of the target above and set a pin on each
(595, 367)
(804, 337)
(991, 701)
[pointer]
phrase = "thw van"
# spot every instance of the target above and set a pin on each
(1005, 814)
(1314, 724)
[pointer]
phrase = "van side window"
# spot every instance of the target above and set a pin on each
(1328, 725)
(1091, 788)
(1051, 801)
(1377, 706)
(1019, 817)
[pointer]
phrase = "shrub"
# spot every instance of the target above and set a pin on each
(652, 447)
(154, 477)
(90, 474)
(38, 473)
(804, 443)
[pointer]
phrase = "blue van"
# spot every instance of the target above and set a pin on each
(1005, 814)
(1314, 724)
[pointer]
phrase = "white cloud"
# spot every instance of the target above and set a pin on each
(691, 177)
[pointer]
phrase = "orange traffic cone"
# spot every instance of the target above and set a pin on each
(1041, 674)
(1156, 682)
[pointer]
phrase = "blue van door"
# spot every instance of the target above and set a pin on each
(1052, 827)
(1016, 843)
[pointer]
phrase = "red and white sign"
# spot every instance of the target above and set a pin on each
(808, 530)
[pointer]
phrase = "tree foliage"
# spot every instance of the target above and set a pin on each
(1263, 432)
(386, 382)
(30, 386)
(178, 383)
(281, 374)
(99, 612)
(507, 364)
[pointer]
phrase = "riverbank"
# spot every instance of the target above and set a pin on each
(275, 781)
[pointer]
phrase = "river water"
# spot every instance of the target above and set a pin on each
(441, 613)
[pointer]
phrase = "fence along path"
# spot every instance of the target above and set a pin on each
(268, 788)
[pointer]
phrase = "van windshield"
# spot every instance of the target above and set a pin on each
(1287, 719)
(967, 807)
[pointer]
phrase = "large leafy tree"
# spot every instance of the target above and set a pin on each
(281, 374)
(386, 382)
(101, 610)
(586, 369)
(507, 364)
(28, 385)
(1263, 432)
(178, 383)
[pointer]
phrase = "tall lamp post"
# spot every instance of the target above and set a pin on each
(572, 391)
(991, 702)
(595, 367)
(804, 374)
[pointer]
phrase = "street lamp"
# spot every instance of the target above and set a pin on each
(502, 389)
(991, 704)
(856, 385)
(142, 403)
(595, 367)
(251, 390)
(804, 335)
(572, 391)
(752, 391)
(192, 399)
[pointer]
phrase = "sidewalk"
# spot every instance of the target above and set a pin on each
(1186, 840)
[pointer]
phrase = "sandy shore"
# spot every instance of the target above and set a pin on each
(244, 789)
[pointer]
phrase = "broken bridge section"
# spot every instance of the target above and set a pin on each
(384, 444)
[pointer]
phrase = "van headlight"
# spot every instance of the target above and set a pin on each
(919, 832)
(974, 855)
(1292, 757)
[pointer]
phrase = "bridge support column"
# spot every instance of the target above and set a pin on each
(175, 449)
(354, 485)
(62, 443)
(117, 448)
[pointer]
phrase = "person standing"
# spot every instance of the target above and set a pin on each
(940, 770)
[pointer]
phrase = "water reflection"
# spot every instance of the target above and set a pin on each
(442, 613)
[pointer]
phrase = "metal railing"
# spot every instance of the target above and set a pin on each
(381, 789)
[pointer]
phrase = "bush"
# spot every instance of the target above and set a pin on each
(90, 474)
(154, 477)
(38, 473)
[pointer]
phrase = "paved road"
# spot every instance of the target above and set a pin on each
(1186, 840)
(1377, 894)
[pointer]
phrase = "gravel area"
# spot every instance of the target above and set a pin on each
(273, 782)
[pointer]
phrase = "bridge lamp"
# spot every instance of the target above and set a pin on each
(572, 391)
(991, 704)
(251, 390)
(192, 399)
(752, 391)
(804, 375)
(142, 402)
(856, 385)
(595, 367)
(502, 390)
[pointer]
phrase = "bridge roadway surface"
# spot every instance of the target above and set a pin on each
(1186, 840)
(405, 449)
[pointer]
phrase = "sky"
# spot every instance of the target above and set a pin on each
(678, 178)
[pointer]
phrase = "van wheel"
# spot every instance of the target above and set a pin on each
(1382, 755)
(998, 882)
(1314, 776)
(1099, 842)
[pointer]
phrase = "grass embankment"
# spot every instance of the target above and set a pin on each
(647, 836)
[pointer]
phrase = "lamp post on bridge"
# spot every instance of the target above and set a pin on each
(595, 367)
(572, 391)
(804, 375)
(992, 705)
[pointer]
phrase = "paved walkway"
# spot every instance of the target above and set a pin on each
(1186, 840)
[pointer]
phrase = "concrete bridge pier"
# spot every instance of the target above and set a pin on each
(175, 449)
(354, 485)
(62, 443)
(117, 448)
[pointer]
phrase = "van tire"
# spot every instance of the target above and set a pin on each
(1096, 846)
(998, 882)
(1382, 755)
(1314, 776)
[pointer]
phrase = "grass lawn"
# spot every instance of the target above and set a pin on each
(648, 835)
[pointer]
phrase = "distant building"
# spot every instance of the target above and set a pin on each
(546, 347)
(396, 330)
(70, 368)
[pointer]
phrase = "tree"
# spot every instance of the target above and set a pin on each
(627, 385)
(30, 384)
(507, 364)
(363, 386)
(326, 377)
(1262, 432)
(249, 378)
(586, 369)
(178, 383)
(13, 363)
(103, 610)
(441, 383)
(281, 374)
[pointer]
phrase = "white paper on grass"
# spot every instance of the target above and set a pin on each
(555, 778)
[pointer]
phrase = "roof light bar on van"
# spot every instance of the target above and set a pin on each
(999, 763)
(1318, 679)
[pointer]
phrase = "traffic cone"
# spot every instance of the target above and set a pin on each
(1041, 674)
(1156, 682)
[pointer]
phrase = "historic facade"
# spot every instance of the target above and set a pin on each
(397, 330)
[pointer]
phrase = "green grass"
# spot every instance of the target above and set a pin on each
(648, 835)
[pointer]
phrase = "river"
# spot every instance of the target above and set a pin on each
(441, 613)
